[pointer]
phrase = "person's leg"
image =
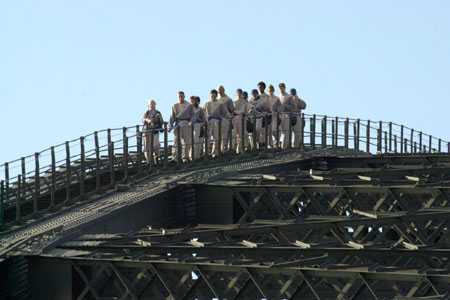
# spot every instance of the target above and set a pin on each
(197, 141)
(284, 131)
(236, 138)
(225, 134)
(146, 139)
(187, 140)
(156, 146)
(260, 131)
(297, 132)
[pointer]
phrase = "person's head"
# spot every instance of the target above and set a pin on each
(239, 93)
(271, 90)
(293, 92)
(221, 90)
(245, 95)
(282, 87)
(181, 96)
(255, 93)
(152, 104)
(213, 95)
(193, 100)
(261, 86)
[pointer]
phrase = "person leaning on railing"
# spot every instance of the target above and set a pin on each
(300, 105)
(153, 122)
(241, 109)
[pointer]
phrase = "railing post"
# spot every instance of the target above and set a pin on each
(390, 136)
(385, 142)
(405, 143)
(346, 133)
(440, 145)
(82, 169)
(380, 137)
(358, 129)
(37, 183)
(166, 145)
(289, 133)
(324, 132)
(448, 147)
(68, 174)
(420, 141)
(111, 159)
(18, 198)
(6, 181)
(430, 143)
(206, 140)
(402, 148)
(24, 173)
(368, 136)
(302, 131)
(313, 131)
(336, 137)
(125, 154)
(379, 140)
(53, 177)
(415, 147)
(333, 129)
(412, 140)
(97, 163)
(2, 201)
(395, 143)
(24, 177)
(139, 149)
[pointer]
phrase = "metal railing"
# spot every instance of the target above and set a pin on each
(75, 170)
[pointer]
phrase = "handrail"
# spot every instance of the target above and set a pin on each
(109, 155)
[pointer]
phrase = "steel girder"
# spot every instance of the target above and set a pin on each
(300, 201)
(128, 279)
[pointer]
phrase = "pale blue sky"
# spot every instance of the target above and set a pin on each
(68, 68)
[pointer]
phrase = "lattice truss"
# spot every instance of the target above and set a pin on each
(353, 234)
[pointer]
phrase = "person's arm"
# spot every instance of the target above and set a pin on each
(173, 117)
(161, 119)
(201, 116)
(302, 104)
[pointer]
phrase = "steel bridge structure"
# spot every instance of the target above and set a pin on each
(356, 210)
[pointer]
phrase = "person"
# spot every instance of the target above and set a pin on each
(286, 109)
(264, 110)
(274, 103)
(241, 109)
(226, 121)
(215, 112)
(153, 122)
(197, 122)
(179, 121)
(299, 106)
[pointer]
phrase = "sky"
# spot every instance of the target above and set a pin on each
(68, 68)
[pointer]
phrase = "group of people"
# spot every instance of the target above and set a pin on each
(230, 125)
